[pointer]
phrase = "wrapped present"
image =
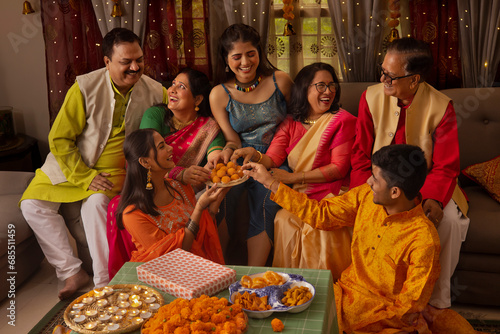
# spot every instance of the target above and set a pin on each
(185, 275)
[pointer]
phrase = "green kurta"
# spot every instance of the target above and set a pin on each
(112, 159)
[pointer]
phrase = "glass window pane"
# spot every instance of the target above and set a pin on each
(284, 65)
(326, 26)
(310, 47)
(309, 26)
(280, 25)
(197, 8)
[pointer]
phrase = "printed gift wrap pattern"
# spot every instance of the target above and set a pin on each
(185, 275)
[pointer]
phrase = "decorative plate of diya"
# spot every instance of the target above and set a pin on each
(116, 308)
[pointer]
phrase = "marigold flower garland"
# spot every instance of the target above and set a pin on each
(395, 14)
(289, 16)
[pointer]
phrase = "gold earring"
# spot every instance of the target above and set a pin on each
(149, 185)
(196, 109)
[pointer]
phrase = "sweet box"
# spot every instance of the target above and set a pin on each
(185, 275)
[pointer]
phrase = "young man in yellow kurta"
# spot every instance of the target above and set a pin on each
(86, 161)
(395, 247)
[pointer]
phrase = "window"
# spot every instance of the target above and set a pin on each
(314, 40)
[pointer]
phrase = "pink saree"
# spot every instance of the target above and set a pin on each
(191, 143)
(296, 244)
(190, 146)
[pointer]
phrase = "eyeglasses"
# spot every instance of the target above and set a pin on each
(390, 79)
(321, 87)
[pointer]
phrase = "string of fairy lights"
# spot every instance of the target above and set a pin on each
(393, 19)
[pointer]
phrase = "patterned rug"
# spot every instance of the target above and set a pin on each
(56, 317)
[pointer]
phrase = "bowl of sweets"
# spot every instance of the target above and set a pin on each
(262, 294)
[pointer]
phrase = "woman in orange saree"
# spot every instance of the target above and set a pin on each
(162, 214)
(316, 142)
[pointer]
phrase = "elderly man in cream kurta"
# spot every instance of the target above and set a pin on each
(404, 109)
(86, 161)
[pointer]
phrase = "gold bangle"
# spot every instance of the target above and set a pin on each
(260, 157)
(303, 177)
(269, 187)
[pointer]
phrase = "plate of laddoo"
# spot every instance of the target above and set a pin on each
(227, 175)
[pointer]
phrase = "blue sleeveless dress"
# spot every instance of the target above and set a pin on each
(256, 125)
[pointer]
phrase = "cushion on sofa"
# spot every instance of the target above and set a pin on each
(487, 174)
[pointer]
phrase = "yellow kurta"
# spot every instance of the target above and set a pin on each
(111, 161)
(395, 259)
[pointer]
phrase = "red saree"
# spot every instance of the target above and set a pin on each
(191, 143)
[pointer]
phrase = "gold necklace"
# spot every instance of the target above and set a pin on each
(311, 121)
(308, 121)
(178, 125)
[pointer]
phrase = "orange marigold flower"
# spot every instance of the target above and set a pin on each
(277, 325)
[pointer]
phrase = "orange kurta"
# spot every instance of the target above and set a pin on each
(395, 259)
(156, 236)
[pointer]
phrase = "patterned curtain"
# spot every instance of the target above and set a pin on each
(176, 37)
(479, 41)
(360, 28)
(72, 46)
(133, 16)
(436, 22)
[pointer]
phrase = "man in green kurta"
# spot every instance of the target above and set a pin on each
(86, 161)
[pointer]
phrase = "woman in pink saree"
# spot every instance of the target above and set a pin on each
(187, 125)
(316, 142)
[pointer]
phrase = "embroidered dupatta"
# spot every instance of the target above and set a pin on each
(191, 143)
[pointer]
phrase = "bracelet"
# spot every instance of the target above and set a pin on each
(260, 157)
(182, 176)
(193, 227)
(303, 177)
(269, 186)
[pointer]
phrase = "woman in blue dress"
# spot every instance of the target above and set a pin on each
(248, 102)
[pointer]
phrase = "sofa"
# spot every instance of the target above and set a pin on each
(16, 235)
(477, 277)
(18, 245)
